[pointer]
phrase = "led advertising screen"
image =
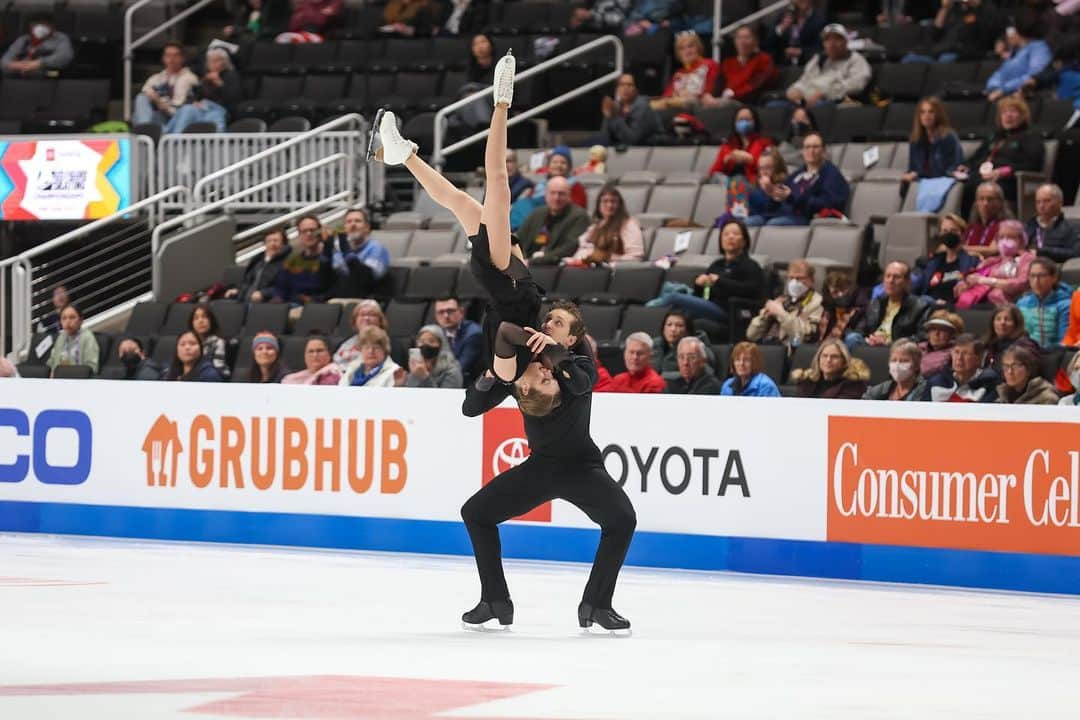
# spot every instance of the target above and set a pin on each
(64, 179)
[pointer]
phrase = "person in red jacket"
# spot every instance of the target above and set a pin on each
(640, 377)
(747, 73)
(692, 84)
(741, 151)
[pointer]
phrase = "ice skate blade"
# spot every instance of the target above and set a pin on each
(373, 135)
(490, 626)
(594, 630)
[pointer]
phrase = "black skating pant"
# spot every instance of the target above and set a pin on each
(588, 487)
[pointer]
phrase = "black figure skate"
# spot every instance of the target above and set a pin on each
(480, 616)
(606, 618)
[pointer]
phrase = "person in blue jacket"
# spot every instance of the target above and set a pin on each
(747, 376)
(1029, 55)
(818, 189)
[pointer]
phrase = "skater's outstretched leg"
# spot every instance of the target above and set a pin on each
(496, 208)
(396, 150)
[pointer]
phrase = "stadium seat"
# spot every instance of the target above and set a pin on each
(618, 162)
(291, 123)
(852, 162)
(247, 125)
(860, 122)
(468, 288)
(629, 285)
(30, 370)
(292, 351)
(639, 177)
(178, 318)
(635, 197)
(673, 201)
(664, 244)
(834, 246)
(711, 204)
(941, 75)
(395, 241)
(426, 245)
(802, 357)
(321, 317)
(272, 317)
(638, 318)
(782, 244)
(230, 316)
(873, 200)
(902, 81)
(602, 321)
(405, 318)
(774, 359)
(164, 350)
(704, 160)
(430, 282)
(73, 372)
(976, 320)
(672, 159)
(876, 359)
(575, 283)
(146, 318)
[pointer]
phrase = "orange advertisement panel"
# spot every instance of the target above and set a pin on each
(976, 485)
(505, 447)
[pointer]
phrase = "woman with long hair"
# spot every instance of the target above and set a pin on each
(189, 364)
(614, 236)
(933, 148)
(1006, 329)
(832, 374)
(205, 325)
(268, 365)
(75, 345)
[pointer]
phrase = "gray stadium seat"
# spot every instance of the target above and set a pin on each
(407, 220)
(711, 204)
(395, 241)
(635, 197)
(633, 158)
(675, 201)
(640, 177)
(705, 157)
(834, 246)
(426, 245)
(852, 163)
(672, 159)
(602, 321)
(322, 317)
(873, 199)
(782, 244)
(906, 236)
(664, 244)
(639, 318)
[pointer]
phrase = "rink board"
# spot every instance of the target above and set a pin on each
(917, 493)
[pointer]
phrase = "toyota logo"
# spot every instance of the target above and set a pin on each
(509, 454)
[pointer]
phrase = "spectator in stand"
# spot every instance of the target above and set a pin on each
(366, 313)
(941, 331)
(1000, 278)
(747, 73)
(840, 304)
(479, 74)
(374, 368)
(603, 377)
(212, 98)
(434, 365)
(318, 369)
(518, 182)
(794, 317)
(949, 264)
(1011, 149)
(905, 382)
(649, 16)
(43, 49)
(833, 75)
(550, 233)
(895, 315)
(962, 30)
(736, 163)
(933, 148)
(797, 37)
(559, 166)
(411, 18)
(733, 275)
(833, 374)
(1072, 335)
(136, 365)
(258, 19)
(1023, 385)
(746, 376)
(818, 189)
(987, 214)
(614, 236)
(204, 324)
(1046, 306)
(464, 17)
(694, 376)
(317, 16)
(75, 345)
(1063, 72)
(801, 124)
(964, 380)
(1073, 373)
(639, 377)
(305, 276)
(603, 16)
(1028, 56)
(188, 363)
(269, 366)
(359, 260)
(60, 300)
(676, 326)
(262, 270)
(1006, 329)
(165, 92)
(7, 370)
(1051, 234)
(466, 338)
(767, 197)
(692, 84)
(628, 117)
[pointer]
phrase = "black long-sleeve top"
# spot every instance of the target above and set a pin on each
(563, 434)
(741, 277)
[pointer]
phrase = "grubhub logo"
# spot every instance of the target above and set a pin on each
(980, 485)
(505, 447)
(282, 453)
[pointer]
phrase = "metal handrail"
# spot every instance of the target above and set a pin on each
(22, 269)
(351, 118)
(439, 153)
(130, 45)
(283, 219)
(249, 252)
(719, 33)
(155, 238)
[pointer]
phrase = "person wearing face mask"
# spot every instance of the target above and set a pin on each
(905, 383)
(964, 380)
(736, 162)
(1046, 306)
(1000, 278)
(949, 264)
(136, 365)
(42, 49)
(794, 317)
(1073, 373)
(801, 124)
(359, 260)
(434, 366)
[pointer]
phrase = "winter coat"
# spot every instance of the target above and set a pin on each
(1039, 391)
(835, 79)
(801, 319)
(881, 391)
(995, 349)
(384, 378)
(935, 159)
(828, 190)
(741, 278)
(633, 125)
(907, 323)
(851, 385)
(260, 274)
(1024, 63)
(1059, 242)
(704, 384)
(558, 240)
(724, 164)
(760, 385)
(1047, 319)
(982, 387)
(748, 79)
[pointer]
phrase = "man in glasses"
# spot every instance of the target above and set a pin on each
(305, 276)
(465, 337)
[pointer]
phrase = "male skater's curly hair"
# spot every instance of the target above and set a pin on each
(577, 327)
(536, 404)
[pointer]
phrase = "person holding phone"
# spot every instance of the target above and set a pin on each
(431, 363)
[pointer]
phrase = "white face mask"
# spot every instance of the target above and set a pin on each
(796, 289)
(900, 371)
(1074, 378)
(40, 32)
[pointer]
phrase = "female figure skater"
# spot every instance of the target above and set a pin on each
(553, 386)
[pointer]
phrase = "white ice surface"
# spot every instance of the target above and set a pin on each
(705, 645)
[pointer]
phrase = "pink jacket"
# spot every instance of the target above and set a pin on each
(329, 375)
(1016, 276)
